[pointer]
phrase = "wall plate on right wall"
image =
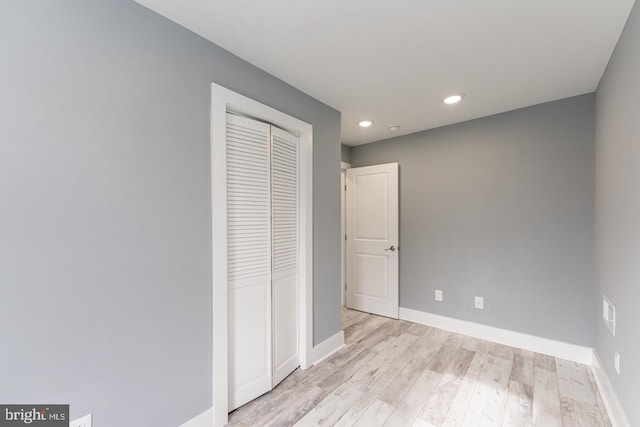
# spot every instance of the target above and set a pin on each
(609, 314)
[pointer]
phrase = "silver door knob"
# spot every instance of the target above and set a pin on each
(391, 248)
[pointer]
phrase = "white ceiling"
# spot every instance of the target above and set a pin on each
(392, 62)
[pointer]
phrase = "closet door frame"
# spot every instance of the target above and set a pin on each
(223, 101)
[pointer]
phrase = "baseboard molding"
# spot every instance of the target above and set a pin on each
(616, 414)
(327, 347)
(205, 419)
(547, 346)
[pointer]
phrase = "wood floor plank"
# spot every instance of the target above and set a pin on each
(519, 408)
(496, 404)
(334, 379)
(573, 381)
(437, 405)
(419, 330)
(442, 359)
(546, 399)
(297, 408)
(523, 367)
(459, 406)
(374, 341)
(265, 406)
(421, 423)
(502, 351)
(356, 355)
(391, 372)
(382, 382)
(351, 352)
(407, 410)
(471, 343)
(349, 317)
(579, 414)
(397, 388)
(380, 364)
(365, 327)
(331, 408)
(543, 361)
(489, 398)
(375, 415)
(357, 333)
(383, 344)
(356, 411)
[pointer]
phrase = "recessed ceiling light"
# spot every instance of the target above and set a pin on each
(394, 128)
(365, 123)
(454, 98)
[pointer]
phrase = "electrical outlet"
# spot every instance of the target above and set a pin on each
(81, 422)
(438, 295)
(616, 361)
(479, 303)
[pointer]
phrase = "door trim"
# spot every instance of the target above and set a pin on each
(224, 100)
(343, 226)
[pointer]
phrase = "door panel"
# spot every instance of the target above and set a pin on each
(285, 325)
(250, 364)
(285, 207)
(368, 269)
(372, 239)
(371, 207)
(248, 259)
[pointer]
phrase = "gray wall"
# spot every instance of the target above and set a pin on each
(500, 207)
(618, 213)
(345, 153)
(105, 208)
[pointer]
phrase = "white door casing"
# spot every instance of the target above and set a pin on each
(372, 239)
(222, 101)
(343, 231)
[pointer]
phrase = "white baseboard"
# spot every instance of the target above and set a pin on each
(205, 419)
(575, 353)
(611, 402)
(327, 347)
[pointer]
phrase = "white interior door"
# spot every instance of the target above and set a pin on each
(372, 239)
(263, 260)
(248, 259)
(285, 224)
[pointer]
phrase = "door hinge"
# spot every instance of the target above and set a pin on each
(345, 237)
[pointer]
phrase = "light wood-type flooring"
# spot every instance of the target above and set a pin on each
(397, 373)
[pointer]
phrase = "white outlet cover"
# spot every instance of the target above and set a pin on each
(479, 303)
(438, 295)
(609, 314)
(616, 361)
(81, 422)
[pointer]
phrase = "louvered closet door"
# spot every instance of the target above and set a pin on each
(284, 202)
(249, 259)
